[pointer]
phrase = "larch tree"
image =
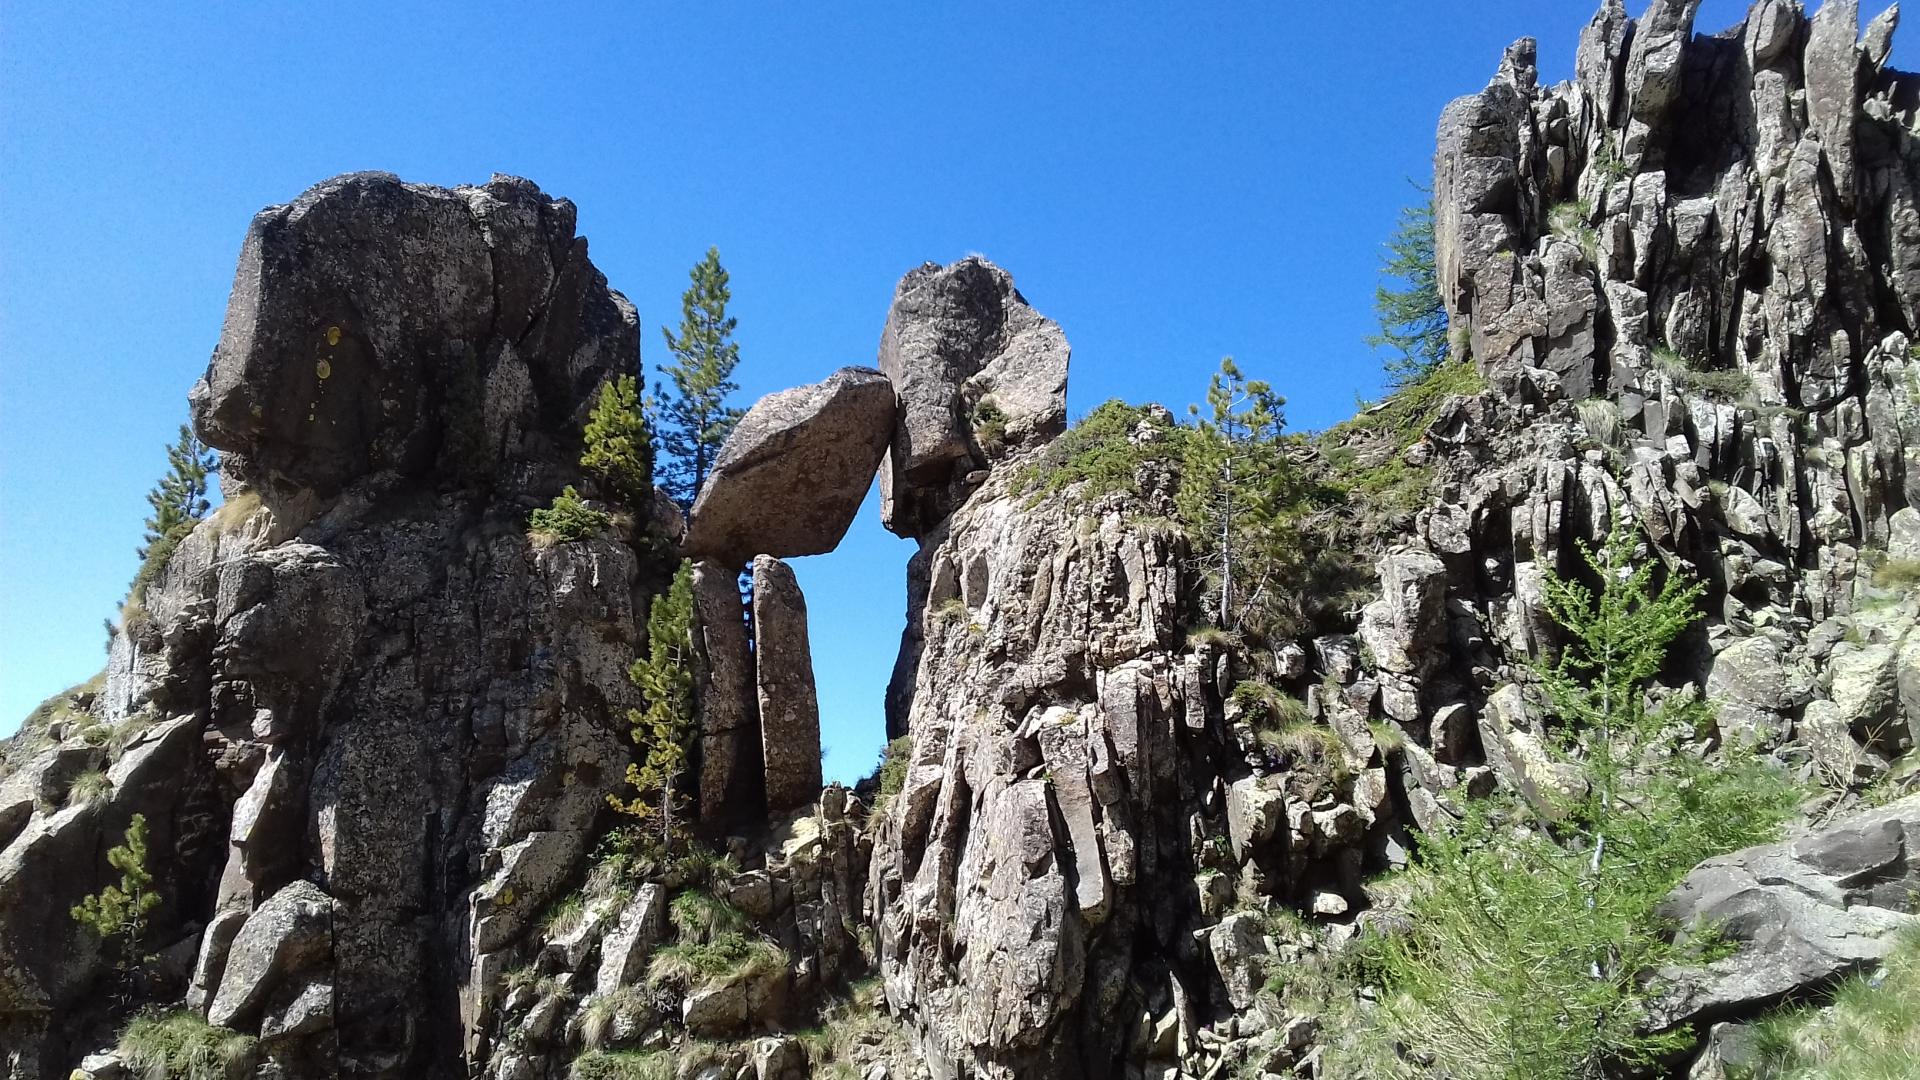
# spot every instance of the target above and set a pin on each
(691, 415)
(619, 450)
(1413, 321)
(179, 499)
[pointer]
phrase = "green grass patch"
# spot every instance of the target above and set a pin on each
(729, 958)
(180, 1045)
(891, 774)
(1869, 1031)
(624, 1065)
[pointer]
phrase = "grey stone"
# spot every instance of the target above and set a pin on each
(627, 947)
(961, 345)
(793, 473)
(1797, 913)
(1239, 949)
(730, 768)
(789, 708)
(289, 934)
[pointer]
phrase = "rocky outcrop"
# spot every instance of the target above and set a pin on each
(1797, 915)
(793, 473)
(978, 373)
(379, 699)
(732, 788)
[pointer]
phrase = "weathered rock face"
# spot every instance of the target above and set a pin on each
(1076, 799)
(795, 470)
(389, 721)
(1798, 914)
(978, 373)
(783, 669)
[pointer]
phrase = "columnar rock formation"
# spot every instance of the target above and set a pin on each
(783, 671)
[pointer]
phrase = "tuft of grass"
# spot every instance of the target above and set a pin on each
(1269, 707)
(1385, 432)
(183, 1046)
(728, 959)
(235, 511)
(1570, 221)
(603, 1011)
(1708, 382)
(1215, 637)
(1388, 736)
(1309, 745)
(1870, 1030)
(700, 916)
(564, 916)
(891, 774)
(1902, 574)
(624, 1065)
(90, 786)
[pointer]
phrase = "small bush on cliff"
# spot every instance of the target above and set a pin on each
(1102, 452)
(891, 775)
(1526, 947)
(729, 959)
(619, 449)
(179, 502)
(569, 518)
(665, 727)
(118, 913)
(624, 1065)
(180, 1045)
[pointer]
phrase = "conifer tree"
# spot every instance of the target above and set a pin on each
(1236, 485)
(1413, 321)
(118, 913)
(180, 497)
(692, 418)
(619, 449)
(664, 728)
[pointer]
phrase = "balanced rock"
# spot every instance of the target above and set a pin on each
(789, 709)
(978, 371)
(793, 473)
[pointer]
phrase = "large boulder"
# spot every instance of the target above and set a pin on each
(793, 473)
(730, 788)
(789, 706)
(289, 934)
(978, 372)
(377, 325)
(1797, 914)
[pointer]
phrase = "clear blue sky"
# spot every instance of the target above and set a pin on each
(1173, 183)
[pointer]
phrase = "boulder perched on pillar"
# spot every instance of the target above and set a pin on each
(793, 473)
(789, 708)
(978, 371)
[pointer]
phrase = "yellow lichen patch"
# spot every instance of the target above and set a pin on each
(333, 335)
(323, 369)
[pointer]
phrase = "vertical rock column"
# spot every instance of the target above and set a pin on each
(789, 708)
(730, 786)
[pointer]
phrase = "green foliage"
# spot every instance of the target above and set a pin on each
(891, 774)
(118, 913)
(700, 916)
(1900, 574)
(619, 449)
(1267, 706)
(730, 958)
(89, 786)
(1413, 322)
(569, 518)
(1569, 221)
(1709, 382)
(180, 1045)
(178, 499)
(601, 1011)
(563, 916)
(1524, 948)
(1240, 497)
(1869, 1031)
(989, 424)
(664, 729)
(1368, 452)
(1098, 456)
(693, 419)
(624, 1065)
